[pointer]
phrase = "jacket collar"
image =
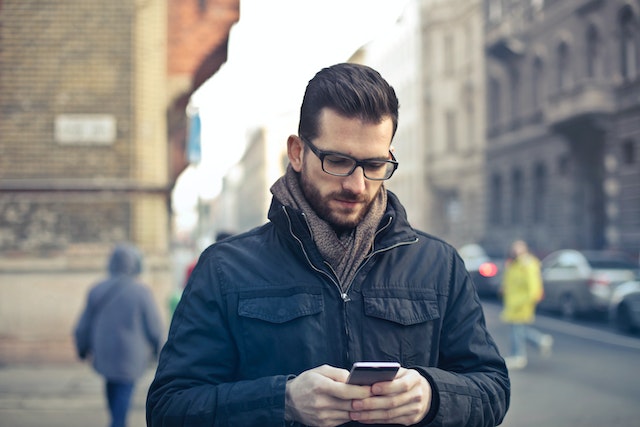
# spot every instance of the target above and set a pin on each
(394, 227)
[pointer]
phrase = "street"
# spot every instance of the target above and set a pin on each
(591, 379)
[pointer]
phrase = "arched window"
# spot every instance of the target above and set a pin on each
(593, 51)
(564, 62)
(517, 186)
(514, 76)
(537, 83)
(494, 11)
(495, 103)
(495, 208)
(628, 44)
(539, 192)
(629, 152)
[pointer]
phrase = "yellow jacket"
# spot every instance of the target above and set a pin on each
(522, 289)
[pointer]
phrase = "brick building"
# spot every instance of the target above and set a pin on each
(563, 91)
(85, 157)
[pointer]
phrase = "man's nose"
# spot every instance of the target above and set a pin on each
(356, 181)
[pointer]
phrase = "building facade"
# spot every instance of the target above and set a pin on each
(453, 81)
(434, 59)
(84, 160)
(563, 95)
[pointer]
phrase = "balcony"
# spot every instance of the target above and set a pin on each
(586, 105)
(506, 48)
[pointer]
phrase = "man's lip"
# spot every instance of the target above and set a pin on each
(348, 202)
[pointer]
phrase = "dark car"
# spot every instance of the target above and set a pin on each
(485, 270)
(624, 308)
(583, 282)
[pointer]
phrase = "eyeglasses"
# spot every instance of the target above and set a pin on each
(338, 164)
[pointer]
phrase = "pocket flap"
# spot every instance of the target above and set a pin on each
(404, 311)
(280, 309)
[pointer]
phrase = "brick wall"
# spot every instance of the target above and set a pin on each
(67, 197)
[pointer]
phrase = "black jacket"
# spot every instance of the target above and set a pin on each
(263, 306)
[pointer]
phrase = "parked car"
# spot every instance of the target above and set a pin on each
(485, 270)
(582, 282)
(624, 308)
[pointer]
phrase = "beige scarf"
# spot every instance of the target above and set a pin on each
(346, 252)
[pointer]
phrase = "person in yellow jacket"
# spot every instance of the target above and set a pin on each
(521, 291)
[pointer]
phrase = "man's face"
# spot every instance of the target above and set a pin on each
(343, 201)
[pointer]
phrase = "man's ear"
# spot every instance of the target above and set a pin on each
(295, 148)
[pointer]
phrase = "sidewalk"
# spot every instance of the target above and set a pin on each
(61, 396)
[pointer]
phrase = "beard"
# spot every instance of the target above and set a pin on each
(339, 220)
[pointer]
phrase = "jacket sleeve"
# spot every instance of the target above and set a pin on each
(194, 383)
(153, 325)
(82, 332)
(537, 288)
(471, 383)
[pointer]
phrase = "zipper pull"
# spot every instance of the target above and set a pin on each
(345, 297)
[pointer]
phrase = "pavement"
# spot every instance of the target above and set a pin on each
(69, 395)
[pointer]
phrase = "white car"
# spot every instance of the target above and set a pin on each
(624, 309)
(582, 282)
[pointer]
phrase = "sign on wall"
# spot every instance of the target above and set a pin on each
(85, 129)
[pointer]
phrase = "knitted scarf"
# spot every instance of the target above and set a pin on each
(343, 252)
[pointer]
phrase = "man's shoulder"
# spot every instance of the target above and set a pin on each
(434, 242)
(243, 246)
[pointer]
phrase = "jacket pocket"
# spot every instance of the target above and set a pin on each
(400, 325)
(278, 331)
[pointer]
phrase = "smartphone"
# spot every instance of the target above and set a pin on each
(367, 373)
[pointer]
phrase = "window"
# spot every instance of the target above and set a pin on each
(539, 192)
(629, 153)
(452, 134)
(495, 208)
(516, 196)
(470, 137)
(537, 83)
(494, 102)
(449, 55)
(564, 62)
(495, 10)
(593, 54)
(564, 163)
(628, 48)
(515, 93)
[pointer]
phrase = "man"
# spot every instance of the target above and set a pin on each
(272, 319)
(120, 329)
(522, 290)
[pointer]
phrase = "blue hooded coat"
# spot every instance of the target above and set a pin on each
(120, 327)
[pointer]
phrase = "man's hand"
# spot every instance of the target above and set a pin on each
(320, 397)
(405, 400)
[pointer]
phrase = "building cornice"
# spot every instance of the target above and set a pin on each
(79, 185)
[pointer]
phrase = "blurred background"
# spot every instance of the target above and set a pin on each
(164, 122)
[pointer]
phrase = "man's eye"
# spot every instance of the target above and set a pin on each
(376, 165)
(338, 161)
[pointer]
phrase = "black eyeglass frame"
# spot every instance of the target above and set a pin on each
(321, 154)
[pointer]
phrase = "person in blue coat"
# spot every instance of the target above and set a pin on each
(120, 329)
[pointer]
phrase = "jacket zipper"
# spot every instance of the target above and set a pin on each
(368, 257)
(343, 294)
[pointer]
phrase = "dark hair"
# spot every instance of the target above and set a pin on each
(351, 90)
